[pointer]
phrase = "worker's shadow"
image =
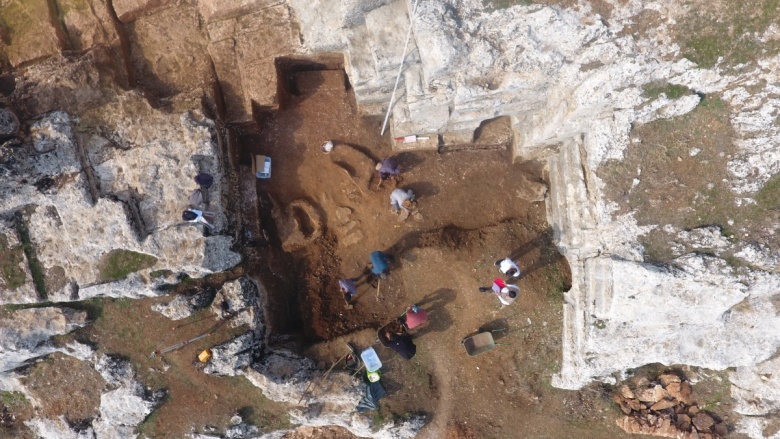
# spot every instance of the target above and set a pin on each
(548, 254)
(435, 304)
(408, 161)
(422, 189)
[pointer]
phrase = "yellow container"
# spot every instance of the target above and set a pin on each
(204, 356)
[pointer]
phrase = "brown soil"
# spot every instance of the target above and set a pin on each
(194, 400)
(65, 386)
(471, 217)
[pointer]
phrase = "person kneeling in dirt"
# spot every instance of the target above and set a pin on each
(402, 199)
(507, 293)
(387, 168)
(395, 337)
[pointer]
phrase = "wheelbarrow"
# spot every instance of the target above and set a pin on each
(479, 343)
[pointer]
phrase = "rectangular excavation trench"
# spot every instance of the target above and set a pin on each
(316, 103)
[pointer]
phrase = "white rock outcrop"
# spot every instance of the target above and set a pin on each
(24, 333)
(114, 180)
(126, 403)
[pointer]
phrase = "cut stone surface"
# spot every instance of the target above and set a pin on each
(88, 23)
(168, 51)
(244, 48)
(32, 34)
(129, 10)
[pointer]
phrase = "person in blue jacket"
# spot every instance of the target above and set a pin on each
(380, 263)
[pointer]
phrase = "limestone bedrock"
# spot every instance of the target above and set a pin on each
(110, 183)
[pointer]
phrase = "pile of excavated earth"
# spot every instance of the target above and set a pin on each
(639, 139)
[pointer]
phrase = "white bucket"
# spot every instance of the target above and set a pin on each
(327, 147)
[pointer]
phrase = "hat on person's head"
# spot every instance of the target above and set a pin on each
(505, 290)
(205, 180)
(512, 294)
(379, 166)
(189, 215)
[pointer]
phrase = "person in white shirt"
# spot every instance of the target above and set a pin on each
(508, 267)
(199, 216)
(508, 294)
(401, 199)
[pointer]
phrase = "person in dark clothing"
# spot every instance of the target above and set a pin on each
(402, 344)
(204, 180)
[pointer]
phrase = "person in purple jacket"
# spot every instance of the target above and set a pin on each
(387, 168)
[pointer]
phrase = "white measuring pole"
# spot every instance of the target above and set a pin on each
(400, 68)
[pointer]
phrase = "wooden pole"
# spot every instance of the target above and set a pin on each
(378, 284)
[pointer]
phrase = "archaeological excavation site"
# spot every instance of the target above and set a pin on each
(435, 219)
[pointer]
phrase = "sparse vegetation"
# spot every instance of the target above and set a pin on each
(117, 264)
(558, 283)
(672, 91)
(11, 260)
(494, 5)
(769, 195)
(731, 32)
(36, 269)
(679, 165)
(12, 399)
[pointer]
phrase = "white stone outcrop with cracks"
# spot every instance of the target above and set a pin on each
(115, 178)
(126, 403)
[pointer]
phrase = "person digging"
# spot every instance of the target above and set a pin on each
(349, 290)
(388, 168)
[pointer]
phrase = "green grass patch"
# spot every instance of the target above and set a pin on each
(495, 5)
(672, 91)
(117, 264)
(36, 269)
(769, 195)
(157, 274)
(557, 283)
(732, 32)
(12, 399)
(11, 270)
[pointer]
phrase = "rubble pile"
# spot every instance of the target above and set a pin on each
(666, 408)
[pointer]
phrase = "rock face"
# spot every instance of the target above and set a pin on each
(24, 333)
(126, 403)
(107, 191)
(284, 377)
(182, 306)
(241, 301)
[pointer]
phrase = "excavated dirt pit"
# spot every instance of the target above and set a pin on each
(470, 216)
